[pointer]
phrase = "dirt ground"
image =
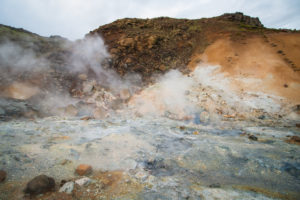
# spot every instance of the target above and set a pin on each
(268, 63)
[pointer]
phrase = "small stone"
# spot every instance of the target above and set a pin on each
(294, 140)
(84, 169)
(39, 185)
(195, 133)
(124, 94)
(67, 187)
(127, 181)
(86, 118)
(83, 181)
(229, 116)
(65, 162)
(88, 86)
(215, 185)
(82, 77)
(298, 125)
(252, 137)
(2, 176)
(141, 175)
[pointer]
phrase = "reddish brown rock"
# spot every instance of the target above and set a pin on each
(2, 176)
(86, 118)
(294, 140)
(84, 169)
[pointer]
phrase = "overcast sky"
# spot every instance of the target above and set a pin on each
(74, 18)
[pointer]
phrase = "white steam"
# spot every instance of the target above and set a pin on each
(49, 81)
(205, 91)
(90, 54)
(16, 59)
(167, 95)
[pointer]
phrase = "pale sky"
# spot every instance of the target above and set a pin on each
(74, 18)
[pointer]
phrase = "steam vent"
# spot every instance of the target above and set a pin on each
(158, 108)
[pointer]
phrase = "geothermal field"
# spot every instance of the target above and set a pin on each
(151, 109)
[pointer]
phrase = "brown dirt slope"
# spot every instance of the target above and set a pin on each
(267, 63)
(148, 46)
(267, 58)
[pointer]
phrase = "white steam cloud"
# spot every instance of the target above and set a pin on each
(16, 59)
(90, 54)
(27, 74)
(206, 92)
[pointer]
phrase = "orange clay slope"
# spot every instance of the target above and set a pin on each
(267, 63)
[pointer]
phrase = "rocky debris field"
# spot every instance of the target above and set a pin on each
(148, 158)
(199, 141)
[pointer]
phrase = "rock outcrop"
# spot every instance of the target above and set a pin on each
(240, 17)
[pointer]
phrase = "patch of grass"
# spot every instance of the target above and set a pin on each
(8, 33)
(194, 28)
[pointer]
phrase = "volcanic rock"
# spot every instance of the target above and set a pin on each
(252, 137)
(68, 187)
(2, 176)
(84, 169)
(294, 140)
(39, 185)
(83, 181)
(240, 17)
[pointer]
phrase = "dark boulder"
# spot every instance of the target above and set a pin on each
(39, 185)
(2, 176)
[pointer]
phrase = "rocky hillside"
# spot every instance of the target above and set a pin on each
(255, 58)
(156, 45)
